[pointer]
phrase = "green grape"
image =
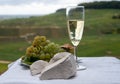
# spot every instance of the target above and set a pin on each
(34, 54)
(45, 49)
(47, 41)
(32, 51)
(29, 50)
(43, 38)
(47, 56)
(39, 41)
(35, 50)
(41, 52)
(39, 49)
(23, 57)
(37, 38)
(43, 43)
(52, 48)
(42, 56)
(36, 43)
(42, 49)
(51, 44)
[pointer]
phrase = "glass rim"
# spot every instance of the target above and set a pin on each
(69, 7)
(75, 7)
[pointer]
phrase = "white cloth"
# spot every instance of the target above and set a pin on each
(100, 70)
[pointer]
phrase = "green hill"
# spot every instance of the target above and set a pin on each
(97, 21)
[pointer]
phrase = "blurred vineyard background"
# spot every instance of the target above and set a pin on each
(101, 33)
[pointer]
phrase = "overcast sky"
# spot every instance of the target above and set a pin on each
(36, 6)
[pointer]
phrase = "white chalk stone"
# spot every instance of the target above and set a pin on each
(61, 66)
(38, 66)
(59, 56)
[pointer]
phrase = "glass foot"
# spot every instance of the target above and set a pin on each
(81, 67)
(79, 60)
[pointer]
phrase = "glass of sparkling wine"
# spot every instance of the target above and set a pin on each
(75, 22)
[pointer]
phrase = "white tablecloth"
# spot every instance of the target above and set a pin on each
(100, 70)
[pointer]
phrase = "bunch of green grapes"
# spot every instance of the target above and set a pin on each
(41, 49)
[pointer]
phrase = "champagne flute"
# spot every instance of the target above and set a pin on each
(75, 23)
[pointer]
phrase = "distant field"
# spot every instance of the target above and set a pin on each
(97, 21)
(105, 45)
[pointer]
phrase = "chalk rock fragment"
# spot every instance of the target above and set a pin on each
(38, 66)
(61, 66)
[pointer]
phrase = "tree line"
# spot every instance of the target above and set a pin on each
(98, 5)
(102, 5)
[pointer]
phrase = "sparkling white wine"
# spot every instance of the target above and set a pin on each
(75, 29)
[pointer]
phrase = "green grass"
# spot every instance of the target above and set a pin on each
(3, 67)
(104, 45)
(12, 50)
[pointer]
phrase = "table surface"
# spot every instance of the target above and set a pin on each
(100, 70)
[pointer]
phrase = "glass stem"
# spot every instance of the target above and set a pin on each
(75, 53)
